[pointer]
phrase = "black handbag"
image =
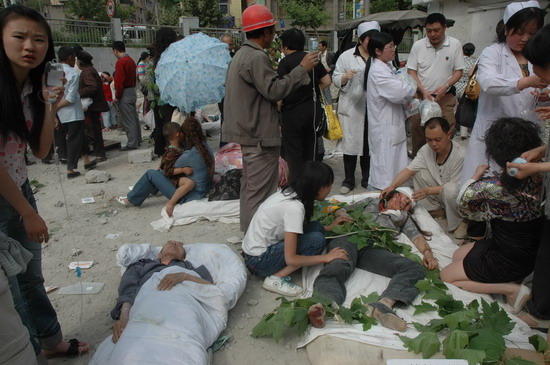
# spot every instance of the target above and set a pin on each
(466, 112)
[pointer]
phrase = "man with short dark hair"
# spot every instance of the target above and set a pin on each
(125, 95)
(69, 135)
(436, 64)
(252, 89)
(436, 172)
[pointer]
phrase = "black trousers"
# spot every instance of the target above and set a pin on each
(163, 114)
(299, 136)
(539, 305)
(93, 132)
(69, 138)
(350, 163)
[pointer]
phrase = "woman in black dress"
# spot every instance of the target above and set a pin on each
(513, 209)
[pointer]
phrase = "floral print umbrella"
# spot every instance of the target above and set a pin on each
(191, 72)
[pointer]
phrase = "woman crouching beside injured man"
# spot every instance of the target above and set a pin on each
(281, 239)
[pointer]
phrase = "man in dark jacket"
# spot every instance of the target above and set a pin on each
(137, 274)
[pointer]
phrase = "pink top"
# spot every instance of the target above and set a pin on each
(12, 150)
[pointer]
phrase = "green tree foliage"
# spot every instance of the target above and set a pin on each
(169, 14)
(90, 10)
(379, 6)
(306, 13)
(96, 10)
(208, 11)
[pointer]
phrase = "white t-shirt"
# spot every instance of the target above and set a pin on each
(278, 214)
(435, 66)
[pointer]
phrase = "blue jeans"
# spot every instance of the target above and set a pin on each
(404, 273)
(154, 181)
(29, 296)
(312, 242)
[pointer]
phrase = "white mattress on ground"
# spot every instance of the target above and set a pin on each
(363, 283)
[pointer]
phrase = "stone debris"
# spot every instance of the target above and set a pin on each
(97, 176)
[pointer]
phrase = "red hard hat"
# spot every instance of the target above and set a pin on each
(257, 16)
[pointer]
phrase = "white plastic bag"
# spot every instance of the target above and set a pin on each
(429, 109)
(149, 119)
(86, 102)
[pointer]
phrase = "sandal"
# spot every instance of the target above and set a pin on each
(73, 350)
(524, 294)
(120, 199)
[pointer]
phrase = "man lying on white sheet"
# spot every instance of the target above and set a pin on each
(172, 254)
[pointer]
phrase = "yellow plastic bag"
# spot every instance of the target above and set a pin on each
(334, 129)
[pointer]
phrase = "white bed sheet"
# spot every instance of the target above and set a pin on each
(363, 283)
(225, 211)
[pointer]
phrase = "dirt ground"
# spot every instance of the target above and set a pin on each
(78, 233)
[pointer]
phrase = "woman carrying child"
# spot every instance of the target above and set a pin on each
(281, 238)
(185, 172)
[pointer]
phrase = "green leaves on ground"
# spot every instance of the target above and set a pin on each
(538, 343)
(293, 314)
(423, 308)
(426, 343)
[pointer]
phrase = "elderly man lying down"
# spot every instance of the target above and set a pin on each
(172, 254)
(172, 309)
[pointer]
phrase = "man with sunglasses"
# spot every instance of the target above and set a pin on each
(392, 211)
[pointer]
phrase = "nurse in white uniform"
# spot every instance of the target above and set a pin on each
(386, 96)
(506, 80)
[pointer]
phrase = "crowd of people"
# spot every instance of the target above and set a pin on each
(496, 205)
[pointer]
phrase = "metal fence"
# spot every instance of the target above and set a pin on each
(90, 33)
(84, 33)
(405, 45)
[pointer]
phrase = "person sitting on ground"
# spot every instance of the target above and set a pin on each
(180, 179)
(393, 211)
(514, 209)
(281, 238)
(436, 172)
(171, 254)
(196, 162)
(172, 133)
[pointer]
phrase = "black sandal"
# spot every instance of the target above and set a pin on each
(72, 351)
(90, 165)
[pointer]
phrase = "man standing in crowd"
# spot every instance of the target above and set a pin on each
(70, 134)
(436, 172)
(252, 89)
(436, 64)
(125, 95)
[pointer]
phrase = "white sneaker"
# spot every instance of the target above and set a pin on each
(282, 286)
(344, 190)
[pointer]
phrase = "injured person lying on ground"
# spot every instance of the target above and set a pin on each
(393, 212)
(172, 254)
(173, 303)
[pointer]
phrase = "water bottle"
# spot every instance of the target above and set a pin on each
(513, 171)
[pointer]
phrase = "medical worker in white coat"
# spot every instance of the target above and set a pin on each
(349, 77)
(506, 80)
(386, 96)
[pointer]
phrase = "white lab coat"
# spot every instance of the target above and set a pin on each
(386, 96)
(352, 102)
(498, 74)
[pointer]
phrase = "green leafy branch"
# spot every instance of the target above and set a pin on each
(293, 314)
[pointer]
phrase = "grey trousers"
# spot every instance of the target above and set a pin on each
(446, 199)
(404, 273)
(15, 345)
(259, 181)
(130, 120)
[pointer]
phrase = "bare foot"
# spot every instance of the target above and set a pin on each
(169, 208)
(62, 350)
